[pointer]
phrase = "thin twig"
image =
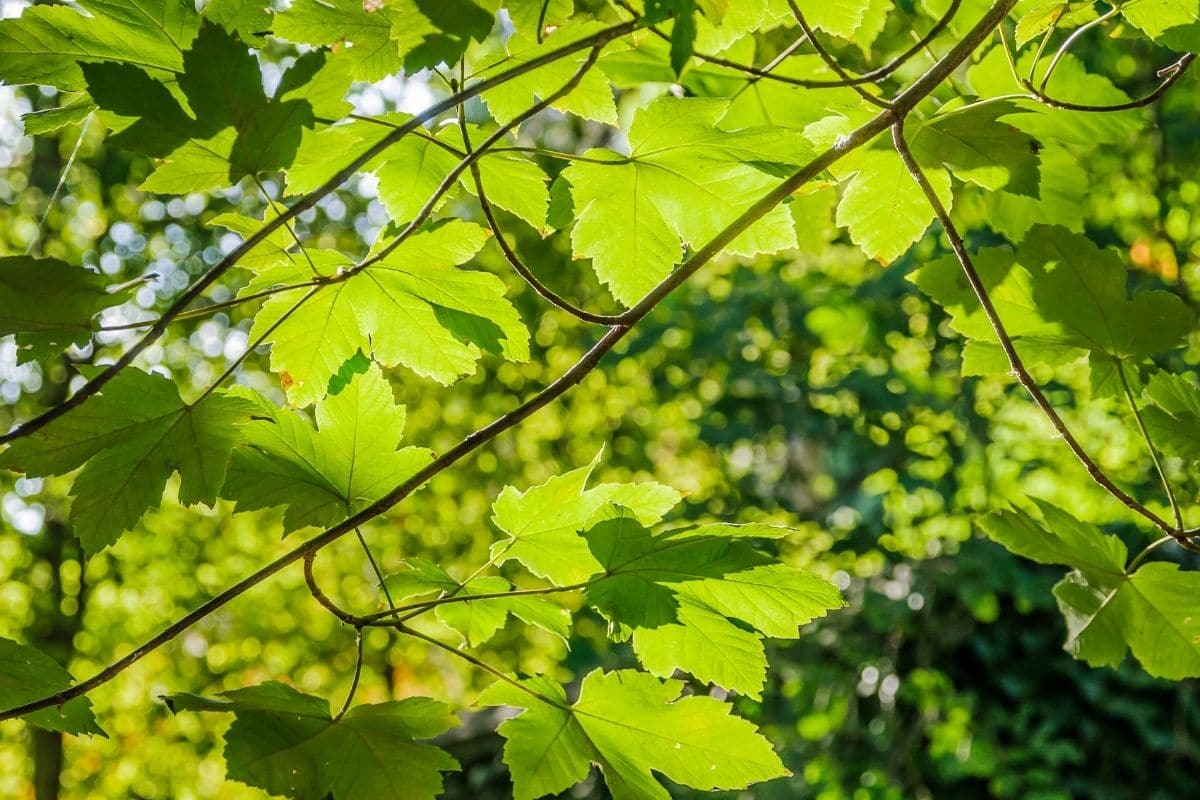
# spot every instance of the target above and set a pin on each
(447, 598)
(1169, 74)
(387, 595)
(478, 662)
(515, 261)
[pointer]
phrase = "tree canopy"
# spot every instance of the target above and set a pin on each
(629, 381)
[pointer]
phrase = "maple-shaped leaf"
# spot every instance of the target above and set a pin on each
(631, 725)
(287, 743)
(130, 439)
(412, 169)
(701, 599)
(48, 44)
(229, 130)
(542, 525)
(386, 37)
(1172, 23)
(684, 180)
(322, 476)
(591, 99)
(1108, 610)
(476, 621)
(48, 305)
(1084, 288)
(977, 147)
(1059, 296)
(883, 208)
(1010, 286)
(247, 18)
(27, 674)
(1173, 418)
(413, 308)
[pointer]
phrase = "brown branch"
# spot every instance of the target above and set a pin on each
(515, 261)
(570, 378)
(1170, 74)
(832, 62)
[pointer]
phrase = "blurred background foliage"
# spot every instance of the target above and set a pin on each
(820, 391)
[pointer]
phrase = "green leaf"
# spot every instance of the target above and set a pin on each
(50, 120)
(841, 19)
(47, 44)
(385, 38)
(543, 524)
(884, 209)
(1099, 316)
(1059, 539)
(682, 594)
(47, 305)
(978, 148)
(591, 99)
(231, 129)
(129, 439)
(1062, 197)
(1173, 23)
(1173, 419)
(27, 674)
(372, 53)
(287, 743)
(630, 725)
(411, 170)
(685, 179)
(1050, 265)
(1152, 612)
(322, 476)
(412, 308)
(683, 28)
(1057, 13)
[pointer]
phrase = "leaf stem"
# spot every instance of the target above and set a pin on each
(1162, 474)
(1147, 550)
(425, 605)
(358, 665)
(362, 540)
(478, 662)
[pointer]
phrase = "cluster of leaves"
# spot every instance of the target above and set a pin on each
(686, 178)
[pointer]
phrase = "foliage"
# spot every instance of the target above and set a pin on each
(636, 153)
